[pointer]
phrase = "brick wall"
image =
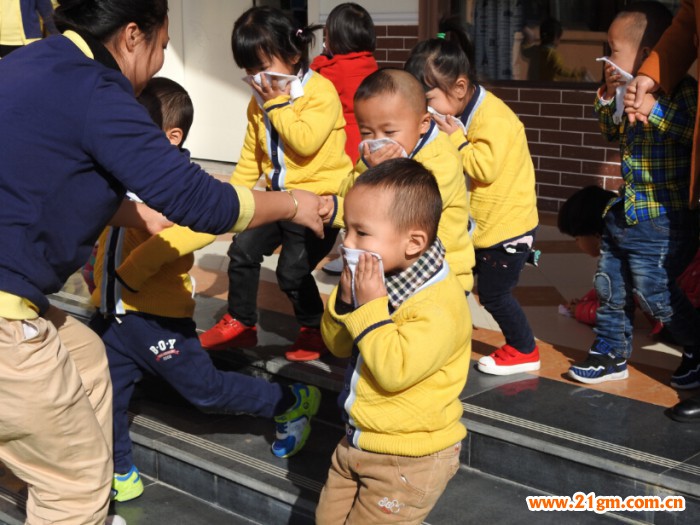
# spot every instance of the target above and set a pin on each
(562, 129)
(566, 145)
(394, 44)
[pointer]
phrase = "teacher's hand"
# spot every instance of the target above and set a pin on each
(310, 210)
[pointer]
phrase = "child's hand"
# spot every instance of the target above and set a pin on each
(345, 285)
(613, 80)
(327, 208)
(389, 151)
(445, 124)
(571, 306)
(269, 90)
(369, 279)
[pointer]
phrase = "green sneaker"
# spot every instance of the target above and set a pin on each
(127, 486)
(294, 426)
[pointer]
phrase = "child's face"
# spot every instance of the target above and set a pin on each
(273, 64)
(390, 116)
(624, 50)
(446, 103)
(369, 227)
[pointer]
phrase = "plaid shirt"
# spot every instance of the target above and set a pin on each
(655, 156)
(403, 285)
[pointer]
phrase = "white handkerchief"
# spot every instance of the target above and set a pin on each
(377, 144)
(296, 91)
(619, 91)
(451, 118)
(351, 256)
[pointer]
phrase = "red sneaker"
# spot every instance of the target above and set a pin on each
(507, 360)
(229, 332)
(308, 346)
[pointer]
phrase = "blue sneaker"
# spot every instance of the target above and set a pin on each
(127, 486)
(598, 368)
(294, 426)
(687, 375)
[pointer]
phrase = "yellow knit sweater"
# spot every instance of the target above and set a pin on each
(496, 158)
(443, 160)
(152, 269)
(412, 366)
(305, 146)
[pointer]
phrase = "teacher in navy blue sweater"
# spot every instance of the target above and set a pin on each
(73, 139)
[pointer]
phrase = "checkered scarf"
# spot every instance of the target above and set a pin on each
(403, 285)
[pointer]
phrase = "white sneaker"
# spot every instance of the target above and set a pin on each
(114, 519)
(334, 267)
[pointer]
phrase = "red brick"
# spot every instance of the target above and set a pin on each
(546, 150)
(581, 181)
(600, 168)
(548, 177)
(380, 55)
(506, 94)
(612, 155)
(540, 122)
(524, 108)
(390, 43)
(547, 205)
(585, 98)
(589, 113)
(557, 192)
(533, 135)
(562, 110)
(579, 124)
(402, 31)
(613, 183)
(568, 165)
(596, 140)
(380, 30)
(398, 55)
(410, 42)
(577, 152)
(390, 65)
(540, 95)
(556, 137)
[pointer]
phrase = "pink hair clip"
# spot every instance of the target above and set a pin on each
(299, 32)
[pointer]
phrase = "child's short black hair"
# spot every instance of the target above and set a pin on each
(582, 213)
(393, 81)
(169, 105)
(265, 32)
(350, 29)
(416, 196)
(550, 30)
(653, 18)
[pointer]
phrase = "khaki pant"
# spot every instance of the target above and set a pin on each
(364, 487)
(56, 417)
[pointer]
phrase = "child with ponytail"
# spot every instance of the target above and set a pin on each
(296, 139)
(503, 203)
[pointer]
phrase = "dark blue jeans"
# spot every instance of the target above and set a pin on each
(301, 252)
(169, 348)
(497, 274)
(643, 261)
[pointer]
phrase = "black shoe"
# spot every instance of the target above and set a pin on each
(687, 411)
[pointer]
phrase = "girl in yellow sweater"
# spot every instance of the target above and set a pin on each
(296, 139)
(503, 203)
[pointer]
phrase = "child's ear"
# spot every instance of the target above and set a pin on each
(417, 243)
(461, 87)
(175, 136)
(425, 123)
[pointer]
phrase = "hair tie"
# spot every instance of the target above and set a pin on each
(299, 32)
(440, 36)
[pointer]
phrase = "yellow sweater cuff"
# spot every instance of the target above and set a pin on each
(16, 307)
(247, 208)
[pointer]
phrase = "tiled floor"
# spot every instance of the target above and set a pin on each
(563, 273)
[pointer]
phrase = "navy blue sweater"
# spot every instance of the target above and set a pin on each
(73, 138)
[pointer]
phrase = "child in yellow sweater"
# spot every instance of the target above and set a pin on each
(503, 201)
(296, 139)
(399, 314)
(144, 296)
(394, 122)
